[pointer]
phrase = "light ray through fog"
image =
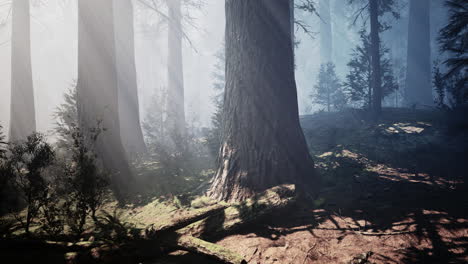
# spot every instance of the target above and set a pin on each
(54, 58)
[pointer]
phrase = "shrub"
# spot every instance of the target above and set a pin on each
(85, 183)
(28, 160)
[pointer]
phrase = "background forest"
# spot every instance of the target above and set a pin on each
(210, 131)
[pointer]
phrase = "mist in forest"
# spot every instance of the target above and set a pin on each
(233, 131)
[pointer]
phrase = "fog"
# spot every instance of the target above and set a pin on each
(54, 54)
(54, 57)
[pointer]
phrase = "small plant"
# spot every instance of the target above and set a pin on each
(29, 159)
(114, 229)
(86, 183)
(439, 85)
(83, 183)
(52, 216)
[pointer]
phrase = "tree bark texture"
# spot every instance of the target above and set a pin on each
(22, 111)
(98, 87)
(418, 75)
(129, 107)
(263, 143)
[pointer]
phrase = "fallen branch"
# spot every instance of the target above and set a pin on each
(184, 221)
(196, 245)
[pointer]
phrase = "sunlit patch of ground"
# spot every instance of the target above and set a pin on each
(386, 198)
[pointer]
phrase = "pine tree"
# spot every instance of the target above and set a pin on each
(359, 79)
(454, 37)
(453, 40)
(376, 9)
(329, 92)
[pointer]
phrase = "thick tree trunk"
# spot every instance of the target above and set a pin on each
(175, 124)
(325, 31)
(375, 54)
(98, 87)
(263, 143)
(22, 115)
(418, 75)
(129, 107)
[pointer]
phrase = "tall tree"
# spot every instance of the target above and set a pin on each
(359, 79)
(263, 143)
(129, 107)
(376, 9)
(97, 89)
(175, 88)
(22, 113)
(325, 31)
(375, 55)
(418, 70)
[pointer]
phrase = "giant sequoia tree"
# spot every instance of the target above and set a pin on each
(263, 144)
(97, 92)
(418, 74)
(132, 135)
(22, 115)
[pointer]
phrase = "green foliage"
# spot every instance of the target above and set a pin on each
(29, 159)
(329, 91)
(452, 84)
(85, 183)
(439, 84)
(359, 79)
(175, 161)
(454, 38)
(82, 184)
(452, 91)
(5, 172)
(66, 116)
(113, 229)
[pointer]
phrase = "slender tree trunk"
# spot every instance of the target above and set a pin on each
(418, 75)
(175, 90)
(292, 19)
(98, 87)
(22, 114)
(375, 54)
(129, 107)
(263, 143)
(325, 31)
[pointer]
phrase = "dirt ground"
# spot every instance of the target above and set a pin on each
(393, 192)
(405, 221)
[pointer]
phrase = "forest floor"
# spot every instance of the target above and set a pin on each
(393, 192)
